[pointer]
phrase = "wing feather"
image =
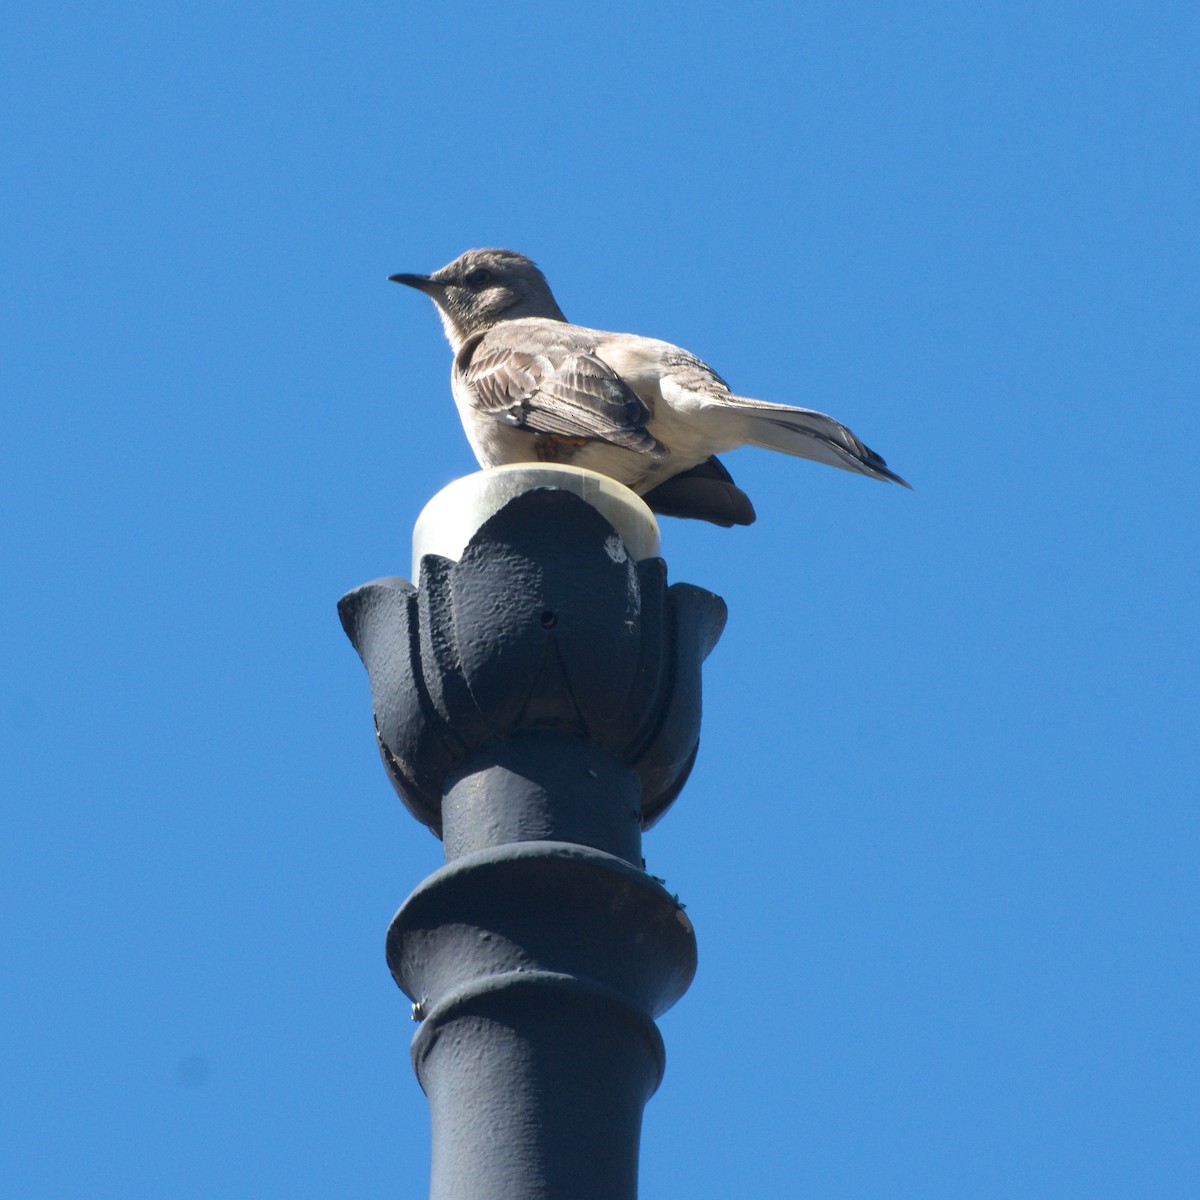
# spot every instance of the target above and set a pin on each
(559, 392)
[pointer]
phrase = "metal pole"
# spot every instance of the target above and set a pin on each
(537, 704)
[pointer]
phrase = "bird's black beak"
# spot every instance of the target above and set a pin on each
(423, 283)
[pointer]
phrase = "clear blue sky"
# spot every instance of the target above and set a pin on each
(940, 847)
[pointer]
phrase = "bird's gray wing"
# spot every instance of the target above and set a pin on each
(558, 391)
(693, 373)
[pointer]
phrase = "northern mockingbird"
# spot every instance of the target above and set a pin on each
(532, 388)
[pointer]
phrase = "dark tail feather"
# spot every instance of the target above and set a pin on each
(814, 435)
(881, 469)
(705, 493)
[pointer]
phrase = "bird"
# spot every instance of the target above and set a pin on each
(531, 387)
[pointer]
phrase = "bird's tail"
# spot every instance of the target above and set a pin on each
(704, 493)
(807, 434)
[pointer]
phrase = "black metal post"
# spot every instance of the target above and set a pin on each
(537, 705)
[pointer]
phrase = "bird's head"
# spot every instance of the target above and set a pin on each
(483, 287)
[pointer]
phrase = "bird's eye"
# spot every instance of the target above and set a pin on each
(480, 277)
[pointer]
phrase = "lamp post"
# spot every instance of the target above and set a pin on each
(537, 705)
